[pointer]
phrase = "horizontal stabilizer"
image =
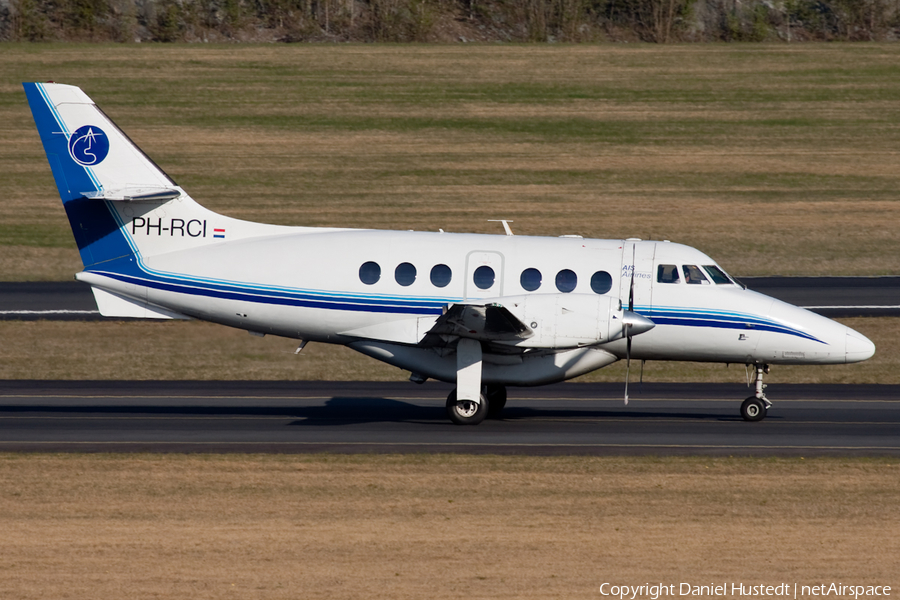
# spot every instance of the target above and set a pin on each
(135, 195)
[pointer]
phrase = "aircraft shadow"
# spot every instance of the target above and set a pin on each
(340, 411)
(350, 410)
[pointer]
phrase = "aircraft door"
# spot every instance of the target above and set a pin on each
(637, 258)
(484, 275)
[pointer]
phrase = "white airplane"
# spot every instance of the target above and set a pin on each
(481, 311)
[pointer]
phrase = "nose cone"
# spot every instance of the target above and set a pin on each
(859, 347)
(635, 323)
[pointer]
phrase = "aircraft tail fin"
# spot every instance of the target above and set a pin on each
(93, 161)
(122, 207)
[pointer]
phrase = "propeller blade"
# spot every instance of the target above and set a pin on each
(627, 325)
(631, 291)
(627, 361)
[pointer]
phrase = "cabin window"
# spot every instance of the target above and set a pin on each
(531, 279)
(369, 273)
(483, 277)
(441, 275)
(601, 282)
(405, 274)
(667, 274)
(718, 275)
(693, 274)
(566, 281)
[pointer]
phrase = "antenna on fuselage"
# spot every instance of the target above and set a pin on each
(505, 222)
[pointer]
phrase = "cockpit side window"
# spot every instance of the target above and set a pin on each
(693, 274)
(718, 275)
(667, 274)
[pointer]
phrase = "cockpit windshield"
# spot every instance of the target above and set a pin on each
(693, 274)
(718, 275)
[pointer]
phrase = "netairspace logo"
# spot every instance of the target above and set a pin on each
(89, 145)
(654, 591)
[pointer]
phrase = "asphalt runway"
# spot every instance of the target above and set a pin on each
(829, 296)
(366, 417)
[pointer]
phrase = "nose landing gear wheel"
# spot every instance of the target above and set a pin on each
(466, 412)
(753, 409)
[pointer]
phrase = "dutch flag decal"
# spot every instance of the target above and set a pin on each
(219, 233)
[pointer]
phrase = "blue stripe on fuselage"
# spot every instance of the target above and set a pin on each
(277, 298)
(718, 319)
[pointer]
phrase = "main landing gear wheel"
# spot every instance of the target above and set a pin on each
(496, 397)
(466, 412)
(753, 409)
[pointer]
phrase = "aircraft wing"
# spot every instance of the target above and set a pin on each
(483, 322)
(516, 323)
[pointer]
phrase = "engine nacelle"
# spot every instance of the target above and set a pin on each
(565, 320)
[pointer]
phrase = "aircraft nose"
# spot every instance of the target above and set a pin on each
(859, 347)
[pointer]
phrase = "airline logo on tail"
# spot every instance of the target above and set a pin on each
(88, 146)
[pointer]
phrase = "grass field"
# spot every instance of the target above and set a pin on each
(110, 527)
(774, 159)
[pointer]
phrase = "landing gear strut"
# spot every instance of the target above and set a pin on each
(472, 401)
(755, 407)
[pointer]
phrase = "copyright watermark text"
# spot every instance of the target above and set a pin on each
(654, 591)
